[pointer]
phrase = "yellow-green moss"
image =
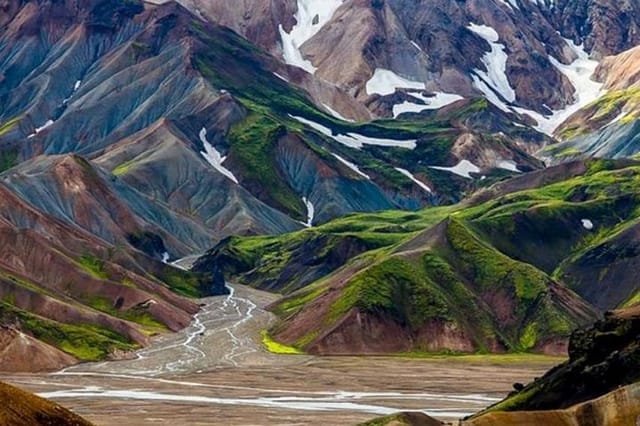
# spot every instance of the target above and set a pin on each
(277, 347)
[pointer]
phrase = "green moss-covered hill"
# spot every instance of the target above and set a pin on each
(515, 268)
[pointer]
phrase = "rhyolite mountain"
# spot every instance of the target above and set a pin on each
(134, 133)
(144, 91)
(68, 295)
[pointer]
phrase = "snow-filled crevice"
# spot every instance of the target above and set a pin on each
(311, 16)
(356, 140)
(214, 157)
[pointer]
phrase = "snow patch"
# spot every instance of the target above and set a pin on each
(385, 82)
(336, 114)
(408, 174)
(281, 77)
(165, 257)
(356, 140)
(311, 211)
(587, 224)
(617, 119)
(311, 16)
(463, 168)
(416, 45)
(495, 78)
(579, 73)
(508, 165)
(438, 101)
(351, 165)
(511, 3)
(213, 156)
(49, 123)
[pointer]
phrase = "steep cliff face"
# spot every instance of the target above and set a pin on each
(597, 385)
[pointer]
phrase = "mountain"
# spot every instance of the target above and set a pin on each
(132, 86)
(136, 133)
(537, 61)
(516, 267)
(449, 47)
(23, 408)
(77, 284)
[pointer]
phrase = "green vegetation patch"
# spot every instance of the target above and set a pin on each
(87, 342)
(136, 314)
(8, 125)
(393, 287)
(94, 266)
(277, 347)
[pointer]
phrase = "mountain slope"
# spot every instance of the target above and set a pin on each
(607, 127)
(529, 58)
(132, 85)
(23, 408)
(61, 284)
(509, 258)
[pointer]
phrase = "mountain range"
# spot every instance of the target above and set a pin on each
(414, 169)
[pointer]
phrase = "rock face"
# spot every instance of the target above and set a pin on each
(22, 408)
(606, 27)
(619, 407)
(597, 385)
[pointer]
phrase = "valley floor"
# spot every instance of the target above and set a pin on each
(217, 372)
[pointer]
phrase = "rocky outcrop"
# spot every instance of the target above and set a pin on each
(404, 419)
(21, 408)
(620, 407)
(597, 385)
(606, 27)
(621, 71)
